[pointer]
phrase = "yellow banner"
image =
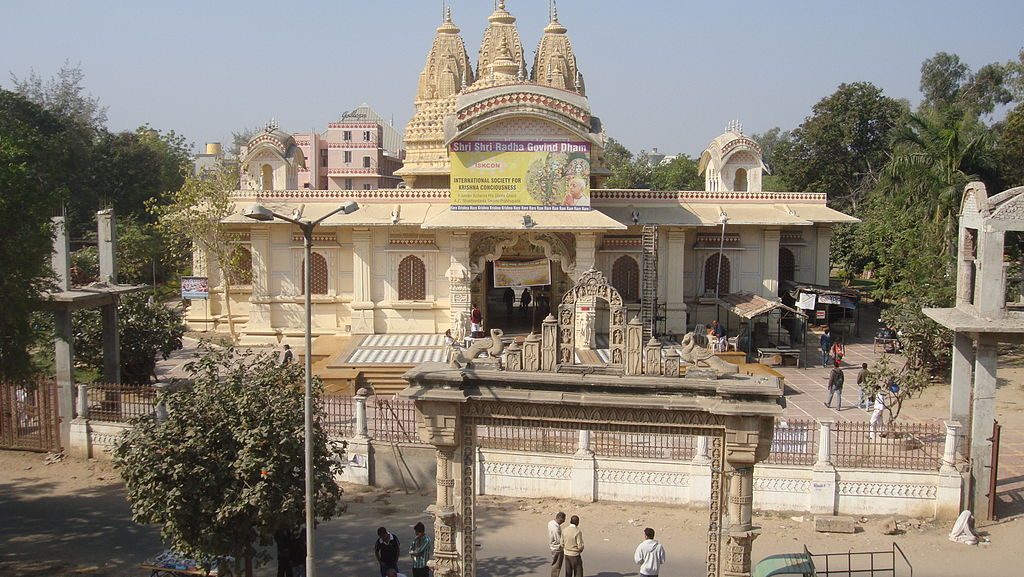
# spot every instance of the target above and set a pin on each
(510, 273)
(520, 175)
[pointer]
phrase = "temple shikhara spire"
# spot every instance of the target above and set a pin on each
(555, 64)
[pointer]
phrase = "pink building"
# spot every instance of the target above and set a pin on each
(361, 151)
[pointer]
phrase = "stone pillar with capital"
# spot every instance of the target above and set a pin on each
(770, 263)
(675, 298)
(259, 300)
(362, 282)
(439, 424)
(948, 496)
(747, 440)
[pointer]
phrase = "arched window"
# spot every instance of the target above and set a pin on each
(267, 178)
(626, 278)
(787, 266)
(319, 272)
(739, 184)
(711, 278)
(242, 264)
(412, 279)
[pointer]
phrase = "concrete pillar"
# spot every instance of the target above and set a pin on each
(259, 300)
(107, 237)
(701, 456)
(824, 484)
(822, 260)
(674, 271)
(161, 402)
(990, 295)
(981, 424)
(770, 263)
(361, 430)
(61, 257)
(950, 482)
(362, 282)
(586, 251)
(83, 401)
(64, 357)
(584, 471)
(111, 344)
(961, 379)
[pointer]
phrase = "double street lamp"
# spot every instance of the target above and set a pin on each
(263, 214)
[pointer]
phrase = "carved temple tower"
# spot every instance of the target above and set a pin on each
(555, 63)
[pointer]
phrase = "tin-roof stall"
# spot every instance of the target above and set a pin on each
(755, 337)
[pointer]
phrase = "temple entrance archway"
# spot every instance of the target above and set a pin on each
(592, 285)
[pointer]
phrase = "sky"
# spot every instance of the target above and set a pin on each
(660, 74)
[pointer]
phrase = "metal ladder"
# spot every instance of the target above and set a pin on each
(649, 280)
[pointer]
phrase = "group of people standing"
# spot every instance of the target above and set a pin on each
(387, 550)
(566, 544)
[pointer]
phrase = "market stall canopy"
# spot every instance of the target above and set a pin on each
(748, 305)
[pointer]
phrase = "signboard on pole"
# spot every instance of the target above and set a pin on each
(195, 287)
(520, 175)
(515, 274)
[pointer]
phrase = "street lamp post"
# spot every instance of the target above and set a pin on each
(264, 214)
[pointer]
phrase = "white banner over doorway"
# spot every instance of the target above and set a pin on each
(512, 273)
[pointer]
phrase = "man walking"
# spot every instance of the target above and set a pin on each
(386, 551)
(826, 346)
(835, 386)
(862, 383)
(649, 555)
(572, 547)
(422, 551)
(555, 543)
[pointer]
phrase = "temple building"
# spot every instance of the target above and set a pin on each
(502, 195)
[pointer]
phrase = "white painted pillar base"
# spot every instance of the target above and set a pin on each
(584, 477)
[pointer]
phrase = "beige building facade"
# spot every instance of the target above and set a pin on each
(415, 258)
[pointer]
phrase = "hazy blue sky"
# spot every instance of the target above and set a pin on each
(666, 74)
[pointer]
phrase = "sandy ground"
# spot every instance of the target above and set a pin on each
(71, 518)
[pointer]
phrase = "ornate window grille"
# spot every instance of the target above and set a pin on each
(626, 278)
(412, 279)
(319, 273)
(711, 275)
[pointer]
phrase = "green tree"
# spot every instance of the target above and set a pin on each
(64, 95)
(842, 147)
(910, 382)
(949, 85)
(1009, 148)
(148, 330)
(194, 215)
(37, 156)
(627, 171)
(680, 173)
(226, 469)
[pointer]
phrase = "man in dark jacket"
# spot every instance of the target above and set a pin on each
(835, 386)
(386, 551)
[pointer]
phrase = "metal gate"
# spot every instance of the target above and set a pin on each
(29, 419)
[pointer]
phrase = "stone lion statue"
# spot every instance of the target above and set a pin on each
(701, 357)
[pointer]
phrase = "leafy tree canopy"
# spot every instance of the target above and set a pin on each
(148, 331)
(64, 95)
(226, 470)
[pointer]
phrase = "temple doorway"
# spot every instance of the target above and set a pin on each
(515, 310)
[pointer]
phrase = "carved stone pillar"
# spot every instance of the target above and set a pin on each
(742, 438)
(548, 344)
(652, 357)
(672, 363)
(531, 353)
(362, 282)
(634, 346)
(439, 424)
(459, 286)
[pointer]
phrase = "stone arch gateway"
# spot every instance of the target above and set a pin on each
(592, 284)
(736, 414)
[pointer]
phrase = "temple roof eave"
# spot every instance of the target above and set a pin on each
(453, 131)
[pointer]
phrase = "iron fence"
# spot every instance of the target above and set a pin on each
(392, 419)
(795, 442)
(339, 415)
(117, 403)
(558, 441)
(902, 446)
(29, 417)
(643, 446)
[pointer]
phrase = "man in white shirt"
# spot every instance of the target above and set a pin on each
(649, 555)
(555, 543)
